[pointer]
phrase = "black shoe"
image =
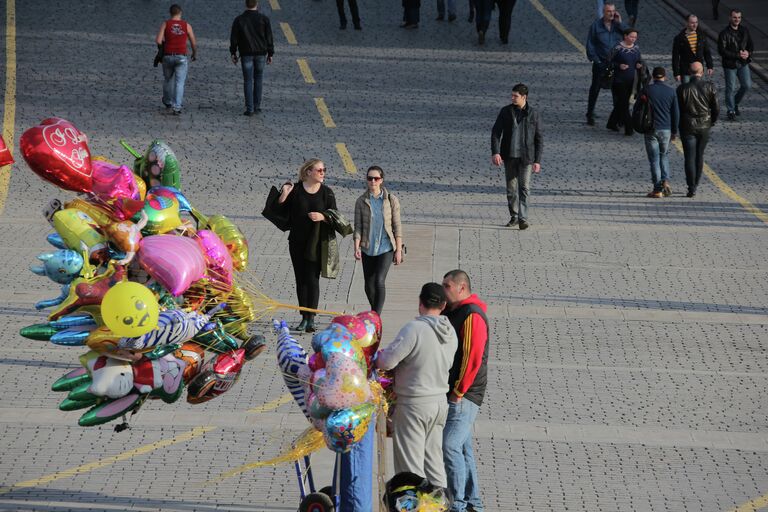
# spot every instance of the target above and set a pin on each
(731, 116)
(524, 225)
(302, 325)
(167, 106)
(177, 112)
(248, 113)
(690, 193)
(409, 25)
(310, 327)
(451, 17)
(591, 120)
(481, 37)
(512, 222)
(358, 27)
(612, 127)
(440, 17)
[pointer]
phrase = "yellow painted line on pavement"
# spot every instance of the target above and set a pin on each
(346, 158)
(708, 171)
(289, 36)
(752, 505)
(305, 71)
(324, 113)
(9, 104)
(85, 468)
(274, 5)
(274, 404)
(558, 26)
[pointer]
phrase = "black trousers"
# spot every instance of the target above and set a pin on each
(375, 269)
(505, 17)
(352, 10)
(307, 274)
(594, 89)
(620, 114)
(694, 145)
(411, 11)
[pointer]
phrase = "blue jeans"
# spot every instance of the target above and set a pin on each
(175, 74)
(518, 178)
(732, 99)
(253, 76)
(451, 7)
(356, 493)
(657, 148)
(459, 458)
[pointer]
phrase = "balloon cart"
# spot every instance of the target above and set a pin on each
(324, 500)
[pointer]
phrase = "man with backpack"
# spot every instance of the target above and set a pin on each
(664, 116)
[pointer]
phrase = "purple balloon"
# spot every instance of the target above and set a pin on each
(218, 259)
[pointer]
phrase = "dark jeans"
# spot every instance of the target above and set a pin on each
(621, 93)
(253, 76)
(352, 10)
(518, 178)
(411, 10)
(307, 274)
(594, 89)
(505, 17)
(483, 14)
(693, 149)
(375, 269)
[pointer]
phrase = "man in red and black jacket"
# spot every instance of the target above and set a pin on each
(467, 380)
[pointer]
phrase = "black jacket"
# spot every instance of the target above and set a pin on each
(682, 56)
(731, 42)
(251, 34)
(533, 141)
(699, 109)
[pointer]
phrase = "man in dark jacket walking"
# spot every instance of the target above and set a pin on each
(604, 34)
(690, 46)
(735, 47)
(698, 113)
(665, 121)
(517, 141)
(251, 36)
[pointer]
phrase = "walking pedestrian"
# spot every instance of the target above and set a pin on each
(251, 36)
(690, 45)
(467, 381)
(421, 356)
(411, 14)
(666, 116)
(604, 34)
(172, 40)
(735, 47)
(626, 61)
(699, 111)
(517, 141)
(352, 10)
(505, 18)
(307, 204)
(378, 235)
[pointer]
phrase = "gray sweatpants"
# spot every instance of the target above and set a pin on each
(418, 440)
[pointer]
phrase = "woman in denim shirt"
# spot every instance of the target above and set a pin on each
(378, 235)
(626, 60)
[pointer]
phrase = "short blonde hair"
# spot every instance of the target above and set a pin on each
(306, 167)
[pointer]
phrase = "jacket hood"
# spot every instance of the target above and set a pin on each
(441, 325)
(474, 299)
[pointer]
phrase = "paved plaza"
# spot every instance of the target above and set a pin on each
(630, 335)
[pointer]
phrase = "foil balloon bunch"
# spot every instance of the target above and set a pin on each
(335, 387)
(148, 283)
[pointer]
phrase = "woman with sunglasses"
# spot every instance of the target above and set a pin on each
(305, 203)
(378, 235)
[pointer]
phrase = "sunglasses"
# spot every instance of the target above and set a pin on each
(373, 178)
(321, 170)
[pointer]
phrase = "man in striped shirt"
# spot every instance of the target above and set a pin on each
(690, 46)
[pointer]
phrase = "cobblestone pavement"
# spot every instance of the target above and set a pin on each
(629, 355)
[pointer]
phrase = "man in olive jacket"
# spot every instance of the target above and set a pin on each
(516, 140)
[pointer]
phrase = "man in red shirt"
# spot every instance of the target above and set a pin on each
(466, 380)
(172, 39)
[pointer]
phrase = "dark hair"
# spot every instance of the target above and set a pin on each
(432, 296)
(691, 16)
(251, 3)
(629, 30)
(735, 10)
(175, 9)
(375, 168)
(459, 276)
(521, 89)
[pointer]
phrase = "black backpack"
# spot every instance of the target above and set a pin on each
(642, 113)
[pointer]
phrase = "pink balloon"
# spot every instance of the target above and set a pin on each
(112, 182)
(316, 361)
(345, 384)
(173, 261)
(218, 259)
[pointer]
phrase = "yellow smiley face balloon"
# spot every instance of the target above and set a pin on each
(129, 309)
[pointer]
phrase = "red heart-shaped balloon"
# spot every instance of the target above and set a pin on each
(58, 152)
(5, 154)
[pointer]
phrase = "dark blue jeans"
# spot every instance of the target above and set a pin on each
(253, 76)
(594, 89)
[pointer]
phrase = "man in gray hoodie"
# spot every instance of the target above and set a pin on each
(421, 356)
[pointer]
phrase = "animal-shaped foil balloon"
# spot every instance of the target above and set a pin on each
(61, 266)
(158, 166)
(292, 360)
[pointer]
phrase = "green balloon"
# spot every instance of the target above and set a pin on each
(74, 405)
(80, 392)
(40, 332)
(106, 411)
(158, 166)
(69, 381)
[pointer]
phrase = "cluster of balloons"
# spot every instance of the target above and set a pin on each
(150, 294)
(334, 387)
